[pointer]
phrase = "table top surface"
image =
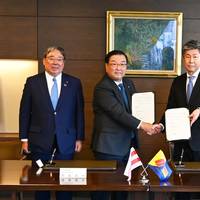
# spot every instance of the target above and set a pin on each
(21, 175)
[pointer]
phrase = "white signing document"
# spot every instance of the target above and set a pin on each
(143, 106)
(177, 124)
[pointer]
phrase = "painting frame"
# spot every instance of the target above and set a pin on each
(151, 40)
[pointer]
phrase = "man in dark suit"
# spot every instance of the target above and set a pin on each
(115, 129)
(178, 98)
(52, 114)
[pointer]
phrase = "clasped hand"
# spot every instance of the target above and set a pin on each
(151, 129)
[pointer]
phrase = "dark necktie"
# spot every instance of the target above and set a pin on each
(123, 93)
(125, 99)
(54, 93)
(189, 87)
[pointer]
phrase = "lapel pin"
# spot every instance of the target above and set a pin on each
(65, 84)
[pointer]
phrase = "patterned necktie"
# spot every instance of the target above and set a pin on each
(123, 92)
(189, 87)
(54, 93)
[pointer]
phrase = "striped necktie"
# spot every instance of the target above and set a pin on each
(189, 87)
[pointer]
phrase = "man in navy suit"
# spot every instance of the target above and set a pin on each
(52, 119)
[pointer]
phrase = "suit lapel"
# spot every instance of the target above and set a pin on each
(111, 84)
(128, 92)
(182, 88)
(117, 91)
(196, 89)
(45, 91)
(127, 89)
(64, 89)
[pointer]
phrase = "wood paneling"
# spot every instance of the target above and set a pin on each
(82, 38)
(89, 72)
(18, 37)
(29, 27)
(18, 7)
(191, 29)
(160, 86)
(74, 8)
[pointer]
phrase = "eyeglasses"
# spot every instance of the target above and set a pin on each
(51, 59)
(115, 65)
(195, 57)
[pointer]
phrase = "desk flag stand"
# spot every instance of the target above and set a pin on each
(144, 175)
(134, 162)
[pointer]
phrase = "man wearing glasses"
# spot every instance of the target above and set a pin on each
(51, 119)
(115, 129)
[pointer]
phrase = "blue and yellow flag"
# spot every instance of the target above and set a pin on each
(160, 166)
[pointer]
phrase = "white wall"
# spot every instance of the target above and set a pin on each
(13, 74)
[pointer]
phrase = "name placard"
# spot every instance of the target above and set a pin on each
(73, 176)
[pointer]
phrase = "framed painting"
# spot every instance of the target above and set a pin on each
(151, 40)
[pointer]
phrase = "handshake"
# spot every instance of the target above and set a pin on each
(151, 129)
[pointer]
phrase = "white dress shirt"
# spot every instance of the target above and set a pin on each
(50, 82)
(196, 74)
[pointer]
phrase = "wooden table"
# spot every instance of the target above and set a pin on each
(20, 175)
(178, 182)
(17, 175)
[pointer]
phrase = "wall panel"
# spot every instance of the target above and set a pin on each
(191, 29)
(18, 7)
(29, 27)
(74, 8)
(18, 37)
(82, 38)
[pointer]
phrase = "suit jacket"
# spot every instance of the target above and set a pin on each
(177, 99)
(113, 124)
(40, 123)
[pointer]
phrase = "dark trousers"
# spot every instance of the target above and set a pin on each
(188, 156)
(45, 195)
(102, 195)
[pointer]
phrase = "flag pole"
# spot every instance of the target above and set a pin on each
(144, 179)
(144, 170)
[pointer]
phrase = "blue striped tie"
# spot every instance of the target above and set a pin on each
(54, 93)
(189, 87)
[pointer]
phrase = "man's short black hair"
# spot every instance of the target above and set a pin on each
(115, 52)
(190, 45)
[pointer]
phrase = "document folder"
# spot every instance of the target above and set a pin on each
(89, 164)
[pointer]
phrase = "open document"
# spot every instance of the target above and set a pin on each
(143, 106)
(177, 124)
